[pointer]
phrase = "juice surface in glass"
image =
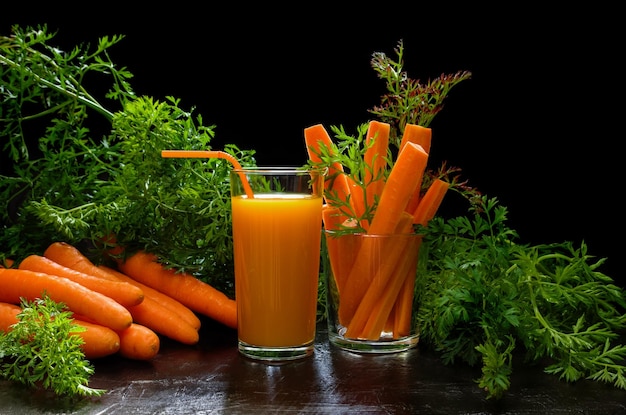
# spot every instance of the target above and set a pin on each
(276, 239)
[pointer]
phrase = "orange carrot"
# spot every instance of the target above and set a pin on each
(30, 285)
(428, 206)
(164, 321)
(98, 341)
(414, 200)
(184, 312)
(7, 263)
(386, 257)
(341, 251)
(402, 319)
(71, 257)
(189, 290)
(380, 303)
(335, 182)
(424, 212)
(404, 177)
(332, 217)
(138, 342)
(417, 134)
(357, 200)
(375, 159)
(8, 315)
(124, 293)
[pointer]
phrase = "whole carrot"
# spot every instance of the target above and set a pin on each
(20, 283)
(189, 290)
(184, 312)
(138, 342)
(71, 257)
(8, 315)
(124, 293)
(98, 341)
(163, 321)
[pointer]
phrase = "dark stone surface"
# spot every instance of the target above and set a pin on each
(212, 377)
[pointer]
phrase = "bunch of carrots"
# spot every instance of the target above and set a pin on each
(125, 309)
(388, 199)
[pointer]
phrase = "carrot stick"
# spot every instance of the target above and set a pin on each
(417, 134)
(391, 320)
(332, 217)
(30, 285)
(398, 295)
(211, 154)
(184, 312)
(424, 212)
(404, 306)
(379, 300)
(138, 342)
(195, 294)
(124, 293)
(98, 341)
(342, 250)
(336, 182)
(405, 176)
(357, 200)
(386, 255)
(414, 200)
(428, 206)
(375, 159)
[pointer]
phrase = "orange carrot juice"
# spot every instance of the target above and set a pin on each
(277, 252)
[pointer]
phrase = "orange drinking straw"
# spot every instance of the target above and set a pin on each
(211, 154)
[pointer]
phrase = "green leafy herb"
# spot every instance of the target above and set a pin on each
(81, 180)
(41, 350)
(482, 296)
(409, 100)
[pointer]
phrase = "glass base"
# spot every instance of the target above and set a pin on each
(276, 354)
(374, 346)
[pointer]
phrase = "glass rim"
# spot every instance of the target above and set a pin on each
(344, 232)
(278, 170)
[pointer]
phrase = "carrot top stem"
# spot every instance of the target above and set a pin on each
(210, 154)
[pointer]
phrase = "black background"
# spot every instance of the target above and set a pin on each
(536, 126)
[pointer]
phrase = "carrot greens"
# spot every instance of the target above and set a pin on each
(484, 296)
(82, 166)
(40, 352)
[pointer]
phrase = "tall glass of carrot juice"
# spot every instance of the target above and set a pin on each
(277, 227)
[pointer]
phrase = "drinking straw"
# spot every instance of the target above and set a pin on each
(211, 154)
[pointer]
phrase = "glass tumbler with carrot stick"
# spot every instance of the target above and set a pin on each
(374, 206)
(277, 228)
